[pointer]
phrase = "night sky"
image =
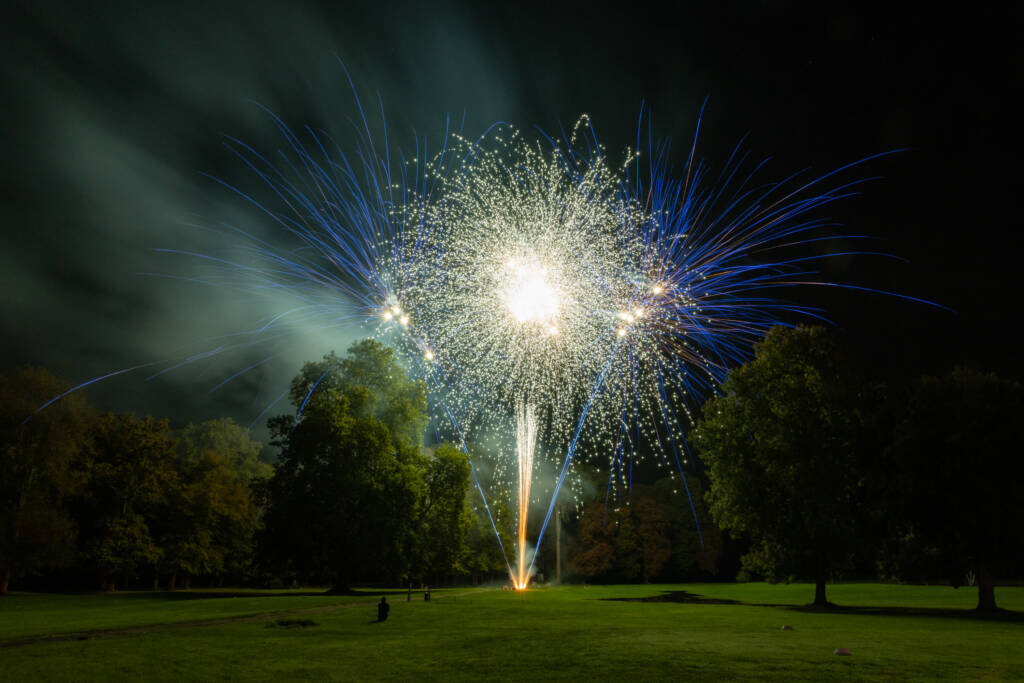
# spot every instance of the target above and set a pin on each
(112, 112)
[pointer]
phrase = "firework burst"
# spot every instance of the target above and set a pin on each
(543, 292)
(538, 288)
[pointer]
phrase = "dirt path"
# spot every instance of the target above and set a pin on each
(215, 621)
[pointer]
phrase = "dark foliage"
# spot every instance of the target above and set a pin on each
(784, 451)
(956, 469)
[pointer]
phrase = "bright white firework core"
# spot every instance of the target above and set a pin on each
(529, 296)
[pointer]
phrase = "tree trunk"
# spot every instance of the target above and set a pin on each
(5, 580)
(986, 590)
(106, 584)
(819, 592)
(173, 581)
(819, 584)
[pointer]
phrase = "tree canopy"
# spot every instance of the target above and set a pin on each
(352, 494)
(224, 437)
(957, 468)
(627, 543)
(812, 468)
(208, 518)
(36, 476)
(445, 517)
(780, 444)
(394, 400)
(129, 467)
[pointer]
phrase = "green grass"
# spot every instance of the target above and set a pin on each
(569, 633)
(40, 614)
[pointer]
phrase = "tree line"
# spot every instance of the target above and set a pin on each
(827, 472)
(120, 497)
(127, 500)
(807, 465)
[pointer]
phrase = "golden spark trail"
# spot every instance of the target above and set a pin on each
(526, 436)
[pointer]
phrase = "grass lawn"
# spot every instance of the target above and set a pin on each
(717, 632)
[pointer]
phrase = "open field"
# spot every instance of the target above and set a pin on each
(713, 632)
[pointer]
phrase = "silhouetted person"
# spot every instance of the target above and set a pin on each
(382, 609)
(426, 595)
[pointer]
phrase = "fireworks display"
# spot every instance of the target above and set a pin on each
(579, 302)
(540, 289)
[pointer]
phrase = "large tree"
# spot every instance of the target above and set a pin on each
(484, 556)
(594, 554)
(624, 543)
(445, 517)
(208, 519)
(693, 553)
(225, 437)
(957, 470)
(348, 484)
(36, 470)
(129, 474)
(781, 447)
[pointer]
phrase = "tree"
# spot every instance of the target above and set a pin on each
(595, 556)
(957, 468)
(484, 555)
(36, 471)
(693, 553)
(445, 517)
(399, 403)
(652, 533)
(230, 440)
(129, 471)
(346, 490)
(207, 521)
(625, 543)
(781, 448)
